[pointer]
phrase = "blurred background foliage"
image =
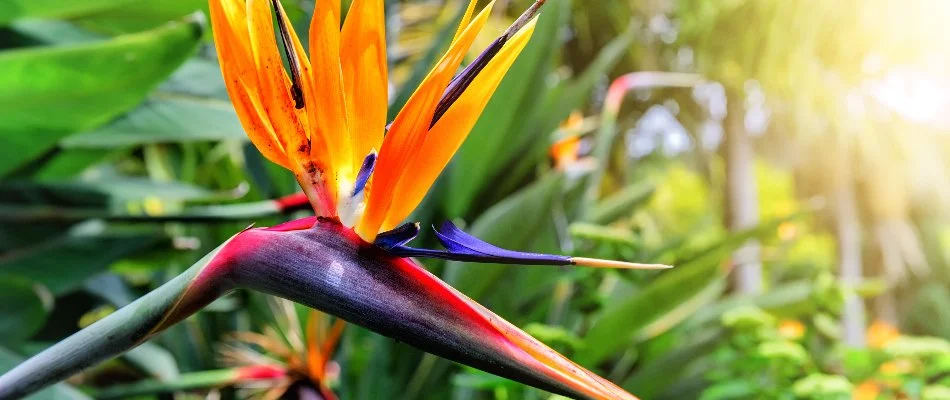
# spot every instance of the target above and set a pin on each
(796, 178)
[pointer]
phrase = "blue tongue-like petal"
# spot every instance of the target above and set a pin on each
(398, 236)
(366, 170)
(461, 246)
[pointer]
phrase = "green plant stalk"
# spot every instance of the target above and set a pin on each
(195, 214)
(190, 381)
(122, 330)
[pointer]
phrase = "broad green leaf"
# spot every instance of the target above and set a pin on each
(183, 383)
(123, 200)
(657, 374)
(190, 106)
(52, 32)
(165, 118)
(625, 320)
(421, 68)
(141, 15)
(513, 223)
(578, 91)
(115, 192)
(16, 9)
(557, 106)
(63, 263)
(22, 311)
(50, 92)
(497, 131)
(198, 77)
(621, 204)
(154, 360)
(792, 295)
(628, 319)
(68, 163)
(61, 391)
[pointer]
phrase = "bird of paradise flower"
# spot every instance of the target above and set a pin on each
(298, 352)
(325, 121)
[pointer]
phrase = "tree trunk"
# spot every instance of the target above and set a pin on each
(848, 238)
(742, 198)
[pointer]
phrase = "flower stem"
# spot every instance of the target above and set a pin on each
(190, 381)
(122, 330)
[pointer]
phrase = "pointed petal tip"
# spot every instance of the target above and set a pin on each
(598, 263)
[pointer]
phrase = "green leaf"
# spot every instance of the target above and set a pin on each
(503, 119)
(576, 93)
(61, 391)
(421, 68)
(664, 371)
(165, 118)
(22, 310)
(63, 263)
(46, 32)
(621, 204)
(629, 319)
(789, 295)
(16, 9)
(122, 199)
(141, 15)
(733, 390)
(185, 382)
(154, 360)
(625, 320)
(557, 106)
(67, 164)
(50, 92)
(110, 191)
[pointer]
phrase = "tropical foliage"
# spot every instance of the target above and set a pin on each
(787, 157)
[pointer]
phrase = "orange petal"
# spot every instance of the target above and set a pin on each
(328, 116)
(365, 81)
(316, 360)
(236, 14)
(237, 67)
(273, 84)
(447, 135)
(408, 130)
(315, 156)
(466, 18)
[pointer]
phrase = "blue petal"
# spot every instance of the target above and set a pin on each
(398, 236)
(366, 170)
(461, 246)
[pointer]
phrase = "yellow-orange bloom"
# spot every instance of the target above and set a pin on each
(566, 151)
(867, 390)
(326, 119)
(791, 329)
(880, 334)
(288, 352)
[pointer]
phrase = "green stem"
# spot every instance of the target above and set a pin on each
(196, 214)
(122, 330)
(190, 381)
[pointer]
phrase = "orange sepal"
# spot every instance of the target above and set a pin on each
(237, 67)
(409, 129)
(365, 79)
(328, 115)
(466, 18)
(273, 83)
(445, 138)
